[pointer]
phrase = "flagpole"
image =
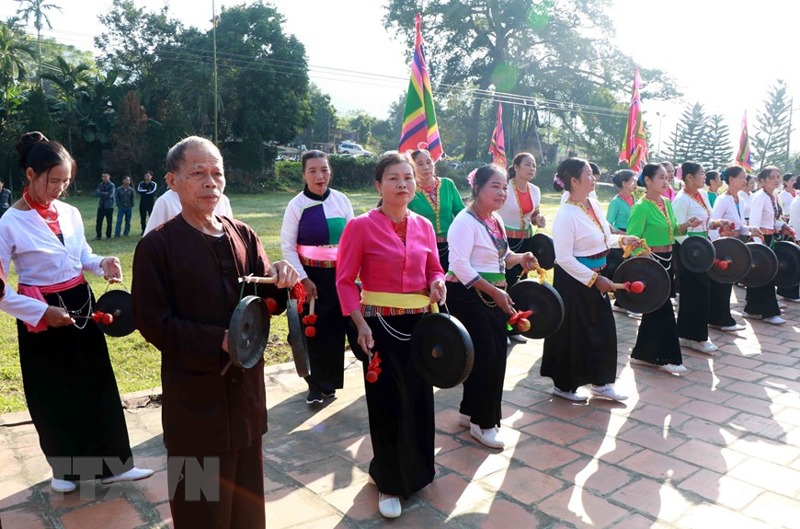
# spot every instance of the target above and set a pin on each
(216, 88)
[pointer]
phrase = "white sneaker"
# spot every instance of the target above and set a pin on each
(733, 328)
(463, 420)
(607, 392)
(486, 437)
(673, 369)
(751, 316)
(63, 485)
(782, 305)
(569, 395)
(518, 338)
(775, 320)
(131, 475)
(704, 347)
(791, 300)
(389, 506)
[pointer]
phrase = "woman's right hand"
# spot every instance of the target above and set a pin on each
(365, 340)
(57, 317)
(311, 288)
(504, 301)
(603, 284)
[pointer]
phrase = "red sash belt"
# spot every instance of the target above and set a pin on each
(37, 292)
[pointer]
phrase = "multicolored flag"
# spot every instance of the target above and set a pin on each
(420, 130)
(634, 146)
(743, 156)
(497, 147)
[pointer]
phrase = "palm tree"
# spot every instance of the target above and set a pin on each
(36, 9)
(70, 81)
(13, 49)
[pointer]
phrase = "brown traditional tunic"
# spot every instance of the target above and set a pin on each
(185, 289)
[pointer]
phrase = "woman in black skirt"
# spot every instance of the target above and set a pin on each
(584, 349)
(66, 372)
(479, 256)
(652, 219)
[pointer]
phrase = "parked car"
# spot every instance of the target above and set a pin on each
(354, 149)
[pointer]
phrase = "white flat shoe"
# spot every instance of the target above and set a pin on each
(569, 395)
(704, 347)
(63, 485)
(775, 320)
(673, 368)
(733, 328)
(130, 475)
(607, 392)
(486, 437)
(389, 506)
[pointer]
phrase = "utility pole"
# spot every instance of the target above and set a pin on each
(789, 138)
(216, 90)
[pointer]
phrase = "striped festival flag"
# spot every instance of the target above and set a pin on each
(743, 156)
(497, 147)
(420, 130)
(634, 146)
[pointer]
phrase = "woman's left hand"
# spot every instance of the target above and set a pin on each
(438, 292)
(540, 221)
(112, 269)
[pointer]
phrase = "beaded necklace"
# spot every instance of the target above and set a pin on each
(662, 207)
(433, 197)
(519, 205)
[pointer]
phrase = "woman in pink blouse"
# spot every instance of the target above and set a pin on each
(393, 251)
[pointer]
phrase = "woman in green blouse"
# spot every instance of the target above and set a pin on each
(436, 199)
(652, 220)
(619, 209)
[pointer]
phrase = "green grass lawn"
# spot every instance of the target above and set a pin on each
(136, 363)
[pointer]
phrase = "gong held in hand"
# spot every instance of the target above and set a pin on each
(642, 285)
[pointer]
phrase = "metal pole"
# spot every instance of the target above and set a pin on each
(216, 92)
(788, 166)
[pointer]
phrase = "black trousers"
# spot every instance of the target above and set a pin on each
(145, 210)
(223, 491)
(762, 300)
(719, 309)
(108, 215)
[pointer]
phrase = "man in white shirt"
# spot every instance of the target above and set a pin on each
(168, 205)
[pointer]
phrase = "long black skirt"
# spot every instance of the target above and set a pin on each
(692, 304)
(584, 349)
(444, 255)
(719, 304)
(400, 408)
(326, 348)
(657, 339)
(483, 389)
(762, 300)
(789, 292)
(72, 395)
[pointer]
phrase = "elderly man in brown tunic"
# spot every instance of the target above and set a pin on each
(185, 289)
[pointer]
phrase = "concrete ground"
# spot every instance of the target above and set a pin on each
(716, 447)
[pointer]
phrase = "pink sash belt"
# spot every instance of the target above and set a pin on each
(318, 253)
(37, 292)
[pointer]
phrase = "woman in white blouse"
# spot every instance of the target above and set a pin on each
(66, 372)
(728, 207)
(584, 349)
(744, 197)
(479, 257)
(693, 305)
(787, 194)
(765, 215)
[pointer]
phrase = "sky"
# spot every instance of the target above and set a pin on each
(724, 54)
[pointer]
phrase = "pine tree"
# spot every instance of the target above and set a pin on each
(686, 142)
(772, 129)
(717, 147)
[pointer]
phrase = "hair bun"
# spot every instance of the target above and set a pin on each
(27, 142)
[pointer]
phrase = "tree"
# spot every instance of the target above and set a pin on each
(70, 81)
(323, 119)
(772, 129)
(129, 131)
(529, 48)
(716, 143)
(36, 9)
(686, 142)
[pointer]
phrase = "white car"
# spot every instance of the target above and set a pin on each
(354, 149)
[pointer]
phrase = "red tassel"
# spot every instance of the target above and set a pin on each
(373, 369)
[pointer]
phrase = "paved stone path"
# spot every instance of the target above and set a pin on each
(717, 447)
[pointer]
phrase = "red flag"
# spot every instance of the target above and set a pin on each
(634, 146)
(497, 147)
